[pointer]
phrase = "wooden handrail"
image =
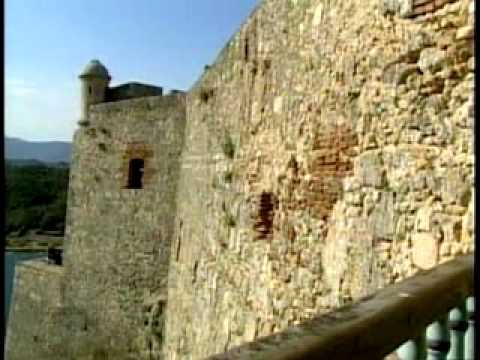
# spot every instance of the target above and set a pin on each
(373, 327)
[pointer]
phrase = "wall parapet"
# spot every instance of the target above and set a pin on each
(35, 328)
(138, 103)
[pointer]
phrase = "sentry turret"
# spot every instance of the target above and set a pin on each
(95, 80)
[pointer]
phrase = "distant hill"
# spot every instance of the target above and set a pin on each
(37, 163)
(44, 151)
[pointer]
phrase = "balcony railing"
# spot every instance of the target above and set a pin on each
(431, 314)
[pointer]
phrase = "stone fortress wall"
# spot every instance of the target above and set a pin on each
(327, 152)
(36, 312)
(118, 239)
(112, 290)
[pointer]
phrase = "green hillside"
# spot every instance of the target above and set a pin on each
(35, 198)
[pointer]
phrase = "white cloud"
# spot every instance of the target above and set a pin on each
(36, 111)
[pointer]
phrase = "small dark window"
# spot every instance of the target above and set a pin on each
(55, 256)
(135, 174)
(90, 90)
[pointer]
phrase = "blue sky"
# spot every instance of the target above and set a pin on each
(48, 42)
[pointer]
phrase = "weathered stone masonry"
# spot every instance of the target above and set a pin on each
(352, 166)
(36, 331)
(117, 244)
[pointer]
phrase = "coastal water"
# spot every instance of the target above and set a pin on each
(12, 258)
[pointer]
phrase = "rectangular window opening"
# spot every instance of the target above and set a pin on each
(135, 174)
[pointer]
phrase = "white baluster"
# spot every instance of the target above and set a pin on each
(470, 334)
(413, 349)
(438, 340)
(457, 325)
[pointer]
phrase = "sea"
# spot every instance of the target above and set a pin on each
(11, 259)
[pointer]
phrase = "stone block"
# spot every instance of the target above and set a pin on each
(423, 218)
(425, 250)
(382, 219)
(398, 73)
(403, 8)
(317, 15)
(466, 32)
(278, 105)
(455, 190)
(431, 60)
(471, 64)
(369, 169)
